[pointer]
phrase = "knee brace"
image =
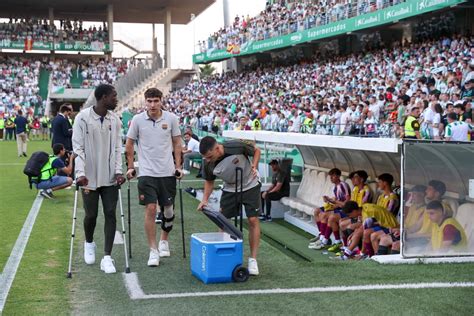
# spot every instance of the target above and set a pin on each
(167, 223)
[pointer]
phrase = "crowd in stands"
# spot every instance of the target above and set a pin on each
(283, 17)
(19, 77)
(369, 93)
(19, 82)
(18, 30)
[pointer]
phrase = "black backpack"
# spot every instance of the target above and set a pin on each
(34, 165)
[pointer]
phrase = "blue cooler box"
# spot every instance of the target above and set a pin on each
(214, 256)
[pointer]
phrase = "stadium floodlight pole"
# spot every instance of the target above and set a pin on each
(74, 212)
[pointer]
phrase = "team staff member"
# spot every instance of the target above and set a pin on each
(280, 187)
(159, 137)
(97, 143)
(411, 125)
(21, 124)
(221, 160)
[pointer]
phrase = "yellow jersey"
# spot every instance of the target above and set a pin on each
(361, 196)
(437, 235)
(381, 214)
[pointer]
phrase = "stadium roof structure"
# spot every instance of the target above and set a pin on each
(136, 11)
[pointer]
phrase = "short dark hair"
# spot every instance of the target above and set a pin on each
(20, 112)
(335, 171)
(65, 107)
(414, 108)
(57, 148)
(439, 186)
(103, 90)
(435, 205)
(349, 207)
(386, 177)
(453, 116)
(206, 144)
(363, 174)
(153, 93)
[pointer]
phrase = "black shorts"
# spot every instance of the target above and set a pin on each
(152, 189)
(250, 199)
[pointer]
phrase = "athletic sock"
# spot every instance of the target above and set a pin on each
(368, 250)
(344, 239)
(383, 250)
(323, 228)
(328, 232)
(337, 236)
(319, 226)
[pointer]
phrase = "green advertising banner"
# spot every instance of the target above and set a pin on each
(388, 15)
(76, 46)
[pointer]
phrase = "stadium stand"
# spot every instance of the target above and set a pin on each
(366, 94)
(285, 17)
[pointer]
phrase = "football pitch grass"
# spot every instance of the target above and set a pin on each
(41, 287)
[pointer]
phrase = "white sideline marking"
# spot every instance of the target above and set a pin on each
(9, 272)
(12, 163)
(118, 240)
(136, 293)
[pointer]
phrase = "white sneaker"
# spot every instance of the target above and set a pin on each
(154, 258)
(314, 244)
(186, 172)
(253, 266)
(89, 252)
(164, 248)
(107, 264)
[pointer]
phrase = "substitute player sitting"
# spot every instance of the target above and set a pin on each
(222, 160)
(371, 218)
(332, 205)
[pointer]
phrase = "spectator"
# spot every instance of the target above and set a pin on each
(191, 151)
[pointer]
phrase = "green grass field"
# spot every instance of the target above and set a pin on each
(41, 287)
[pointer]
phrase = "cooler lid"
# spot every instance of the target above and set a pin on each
(223, 223)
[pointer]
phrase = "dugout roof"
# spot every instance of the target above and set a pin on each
(136, 11)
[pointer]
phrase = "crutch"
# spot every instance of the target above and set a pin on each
(239, 197)
(129, 222)
(69, 272)
(182, 213)
(124, 237)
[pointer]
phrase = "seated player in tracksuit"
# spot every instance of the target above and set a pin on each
(370, 218)
(415, 209)
(447, 235)
(361, 194)
(332, 205)
(387, 199)
(222, 160)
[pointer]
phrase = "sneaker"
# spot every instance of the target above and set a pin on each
(25, 155)
(44, 194)
(268, 219)
(154, 258)
(191, 191)
(314, 239)
(107, 264)
(49, 192)
(89, 252)
(335, 247)
(164, 248)
(186, 172)
(253, 266)
(262, 217)
(314, 244)
(319, 246)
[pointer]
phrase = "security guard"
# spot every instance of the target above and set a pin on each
(411, 125)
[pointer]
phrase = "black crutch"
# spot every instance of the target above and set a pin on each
(182, 213)
(239, 197)
(69, 272)
(124, 237)
(129, 222)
